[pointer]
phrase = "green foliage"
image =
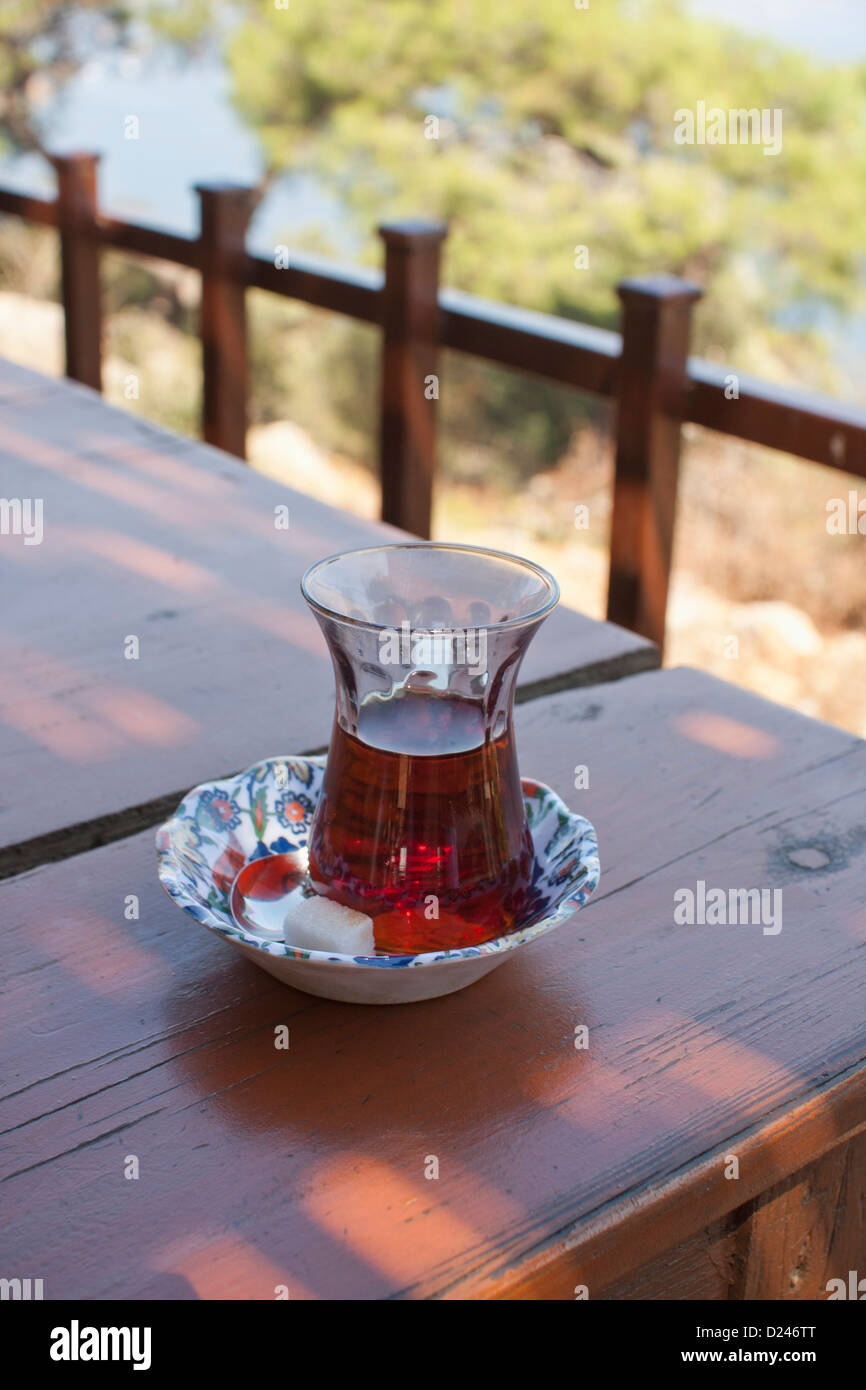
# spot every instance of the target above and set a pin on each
(556, 130)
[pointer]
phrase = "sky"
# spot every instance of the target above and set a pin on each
(834, 30)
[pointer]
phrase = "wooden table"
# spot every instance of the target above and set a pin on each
(150, 536)
(712, 1049)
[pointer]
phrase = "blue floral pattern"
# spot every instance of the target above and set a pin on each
(220, 808)
(293, 810)
(268, 810)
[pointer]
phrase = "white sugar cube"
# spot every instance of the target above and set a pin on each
(319, 924)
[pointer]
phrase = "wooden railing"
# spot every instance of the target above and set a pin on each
(646, 369)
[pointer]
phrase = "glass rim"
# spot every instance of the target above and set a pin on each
(547, 579)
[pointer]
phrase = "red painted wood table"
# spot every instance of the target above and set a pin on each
(708, 1141)
(155, 537)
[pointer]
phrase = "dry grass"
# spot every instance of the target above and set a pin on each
(762, 595)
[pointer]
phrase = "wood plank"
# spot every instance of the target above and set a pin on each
(152, 536)
(797, 422)
(789, 1244)
(556, 1167)
(652, 382)
(701, 1268)
(576, 354)
(77, 220)
(564, 350)
(353, 290)
(808, 1230)
(407, 412)
(19, 383)
(224, 213)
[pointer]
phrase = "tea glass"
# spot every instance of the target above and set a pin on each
(421, 821)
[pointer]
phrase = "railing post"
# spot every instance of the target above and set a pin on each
(77, 215)
(225, 214)
(409, 395)
(652, 385)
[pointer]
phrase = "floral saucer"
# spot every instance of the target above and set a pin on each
(221, 826)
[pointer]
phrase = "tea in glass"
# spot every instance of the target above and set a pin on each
(421, 821)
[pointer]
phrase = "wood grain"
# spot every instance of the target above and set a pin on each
(807, 1230)
(408, 413)
(557, 1167)
(788, 1244)
(652, 384)
(151, 536)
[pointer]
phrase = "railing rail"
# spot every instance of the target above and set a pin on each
(645, 369)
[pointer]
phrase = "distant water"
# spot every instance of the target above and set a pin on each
(188, 133)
